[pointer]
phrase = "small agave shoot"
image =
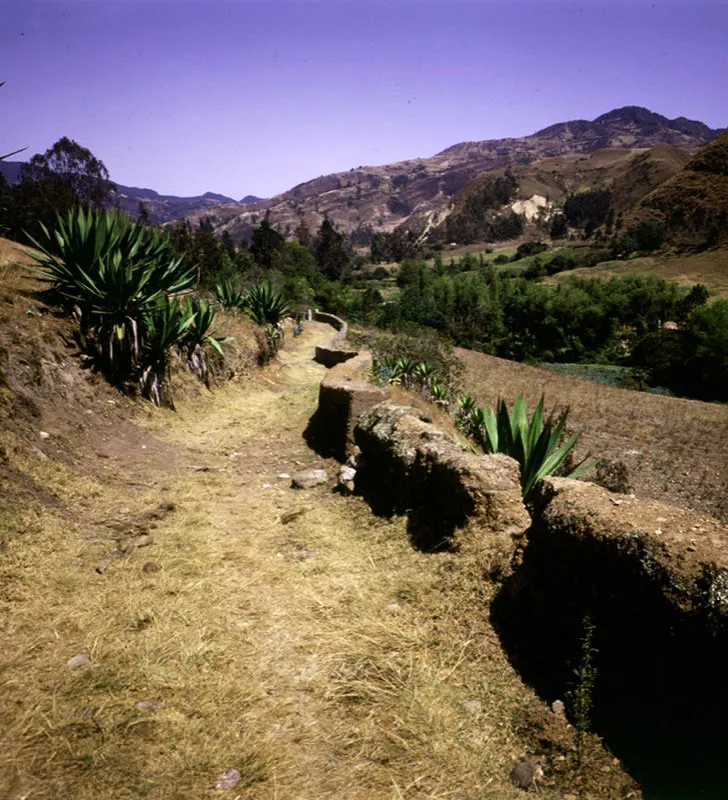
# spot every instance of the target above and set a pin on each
(536, 444)
(199, 337)
(228, 296)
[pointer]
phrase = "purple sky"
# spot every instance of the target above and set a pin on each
(253, 96)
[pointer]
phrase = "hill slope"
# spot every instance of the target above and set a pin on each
(694, 203)
(629, 174)
(386, 196)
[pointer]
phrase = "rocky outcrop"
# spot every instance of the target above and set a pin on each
(411, 466)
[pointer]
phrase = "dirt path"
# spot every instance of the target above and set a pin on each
(289, 635)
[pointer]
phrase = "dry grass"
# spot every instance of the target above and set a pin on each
(675, 450)
(321, 658)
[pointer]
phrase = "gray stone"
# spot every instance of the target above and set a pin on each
(44, 435)
(347, 474)
(309, 478)
(227, 780)
(558, 707)
(80, 661)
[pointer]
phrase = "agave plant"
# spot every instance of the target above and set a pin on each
(114, 274)
(424, 373)
(536, 443)
(439, 393)
(198, 337)
(165, 325)
(265, 306)
(228, 296)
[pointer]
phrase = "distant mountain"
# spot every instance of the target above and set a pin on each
(694, 202)
(161, 208)
(166, 208)
(421, 191)
(542, 186)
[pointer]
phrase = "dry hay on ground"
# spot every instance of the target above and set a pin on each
(324, 657)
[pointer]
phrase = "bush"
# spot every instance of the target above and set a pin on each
(529, 249)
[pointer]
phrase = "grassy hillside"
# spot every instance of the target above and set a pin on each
(694, 203)
(709, 267)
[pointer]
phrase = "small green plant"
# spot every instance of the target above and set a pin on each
(265, 306)
(229, 296)
(580, 699)
(199, 337)
(535, 443)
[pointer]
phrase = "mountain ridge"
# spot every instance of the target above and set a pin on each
(381, 198)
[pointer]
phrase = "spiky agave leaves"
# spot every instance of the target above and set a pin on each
(229, 297)
(165, 325)
(265, 306)
(114, 274)
(535, 443)
(76, 258)
(199, 337)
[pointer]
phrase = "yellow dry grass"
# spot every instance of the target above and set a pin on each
(321, 658)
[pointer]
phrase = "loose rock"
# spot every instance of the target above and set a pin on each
(347, 474)
(558, 707)
(151, 566)
(80, 661)
(526, 774)
(309, 478)
(44, 435)
(474, 706)
(227, 780)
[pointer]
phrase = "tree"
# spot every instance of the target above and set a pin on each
(83, 179)
(207, 254)
(332, 253)
(266, 243)
(143, 215)
(227, 244)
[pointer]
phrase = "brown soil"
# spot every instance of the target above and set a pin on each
(292, 636)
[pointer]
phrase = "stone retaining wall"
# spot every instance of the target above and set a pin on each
(651, 580)
(333, 352)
